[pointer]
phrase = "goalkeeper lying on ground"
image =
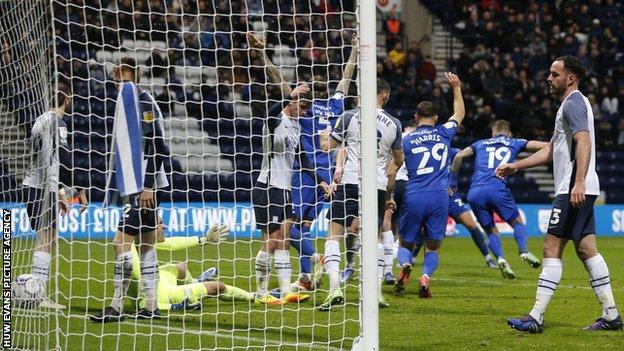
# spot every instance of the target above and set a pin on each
(187, 294)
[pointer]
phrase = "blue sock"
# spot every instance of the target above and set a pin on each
(495, 245)
(404, 256)
(420, 241)
(521, 237)
(479, 240)
(430, 263)
(303, 244)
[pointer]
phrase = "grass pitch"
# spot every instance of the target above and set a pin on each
(468, 309)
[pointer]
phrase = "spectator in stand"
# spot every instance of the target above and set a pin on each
(427, 70)
(393, 28)
(397, 55)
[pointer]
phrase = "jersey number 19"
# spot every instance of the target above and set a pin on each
(501, 154)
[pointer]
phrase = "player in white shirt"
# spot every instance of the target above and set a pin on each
(272, 195)
(572, 150)
(345, 205)
(44, 185)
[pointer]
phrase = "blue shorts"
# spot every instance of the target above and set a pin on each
(484, 201)
(457, 206)
(428, 210)
(308, 198)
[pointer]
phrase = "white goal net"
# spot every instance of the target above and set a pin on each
(207, 74)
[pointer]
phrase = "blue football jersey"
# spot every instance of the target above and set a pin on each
(427, 157)
(321, 115)
(491, 153)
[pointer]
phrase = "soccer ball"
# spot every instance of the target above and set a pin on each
(27, 291)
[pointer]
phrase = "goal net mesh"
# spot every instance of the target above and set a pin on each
(213, 90)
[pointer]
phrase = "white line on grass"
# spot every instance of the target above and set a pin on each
(266, 342)
(493, 282)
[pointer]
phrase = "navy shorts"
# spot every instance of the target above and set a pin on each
(308, 197)
(346, 205)
(399, 194)
(570, 222)
(135, 220)
(271, 206)
(457, 206)
(41, 208)
(484, 201)
(428, 210)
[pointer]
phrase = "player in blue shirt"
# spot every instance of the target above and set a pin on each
(426, 204)
(313, 168)
(489, 194)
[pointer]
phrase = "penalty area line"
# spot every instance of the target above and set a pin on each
(494, 282)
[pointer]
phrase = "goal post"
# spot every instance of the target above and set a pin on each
(369, 318)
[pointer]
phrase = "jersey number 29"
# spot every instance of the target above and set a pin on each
(439, 152)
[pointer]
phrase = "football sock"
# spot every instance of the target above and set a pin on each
(122, 272)
(353, 246)
(300, 240)
(41, 266)
(546, 285)
(430, 263)
(332, 263)
(234, 293)
(149, 278)
(264, 261)
(388, 247)
(381, 266)
(479, 239)
(284, 270)
(521, 237)
(404, 256)
(601, 283)
(495, 245)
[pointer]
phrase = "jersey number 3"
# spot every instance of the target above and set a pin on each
(439, 152)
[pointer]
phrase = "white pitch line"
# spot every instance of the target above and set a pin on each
(267, 342)
(493, 282)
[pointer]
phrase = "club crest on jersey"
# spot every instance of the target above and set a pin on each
(148, 116)
(63, 133)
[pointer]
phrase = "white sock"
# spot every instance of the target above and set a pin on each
(380, 266)
(388, 247)
(332, 263)
(264, 261)
(284, 270)
(122, 272)
(488, 257)
(41, 266)
(149, 278)
(600, 282)
(552, 268)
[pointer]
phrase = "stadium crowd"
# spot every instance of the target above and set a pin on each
(508, 47)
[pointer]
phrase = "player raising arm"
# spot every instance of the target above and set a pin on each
(312, 171)
(272, 196)
(426, 201)
(572, 150)
(489, 194)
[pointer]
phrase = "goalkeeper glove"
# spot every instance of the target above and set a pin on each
(215, 234)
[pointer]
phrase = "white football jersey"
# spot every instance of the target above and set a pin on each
(43, 173)
(402, 172)
(574, 115)
(279, 143)
(388, 138)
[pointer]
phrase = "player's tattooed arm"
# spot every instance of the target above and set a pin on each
(456, 166)
(459, 110)
(259, 44)
(535, 145)
(398, 157)
(343, 85)
(540, 158)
